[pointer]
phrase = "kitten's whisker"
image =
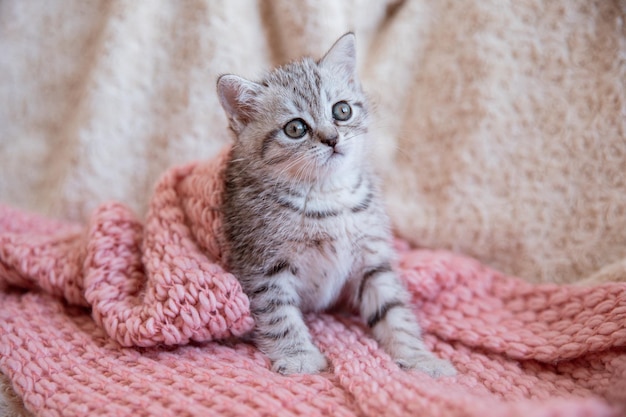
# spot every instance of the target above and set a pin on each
(390, 129)
(250, 160)
(304, 169)
(290, 165)
(356, 135)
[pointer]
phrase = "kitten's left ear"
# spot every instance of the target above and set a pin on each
(341, 57)
(238, 97)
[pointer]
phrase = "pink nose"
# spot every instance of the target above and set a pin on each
(330, 140)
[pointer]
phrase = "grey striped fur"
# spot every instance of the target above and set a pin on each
(303, 219)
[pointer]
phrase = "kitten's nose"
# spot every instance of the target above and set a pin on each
(329, 138)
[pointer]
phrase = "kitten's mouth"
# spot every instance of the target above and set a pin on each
(335, 153)
(333, 156)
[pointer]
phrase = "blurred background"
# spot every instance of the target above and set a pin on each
(499, 127)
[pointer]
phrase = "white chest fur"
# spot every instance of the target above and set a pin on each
(324, 269)
(335, 245)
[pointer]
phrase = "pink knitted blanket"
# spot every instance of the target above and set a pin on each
(126, 318)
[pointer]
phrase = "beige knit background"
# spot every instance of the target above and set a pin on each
(500, 126)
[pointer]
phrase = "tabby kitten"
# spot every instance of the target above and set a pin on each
(304, 223)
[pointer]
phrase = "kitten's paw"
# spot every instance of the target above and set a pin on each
(429, 364)
(309, 362)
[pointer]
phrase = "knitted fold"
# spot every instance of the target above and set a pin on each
(146, 285)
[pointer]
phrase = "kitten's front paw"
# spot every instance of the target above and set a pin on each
(429, 364)
(309, 362)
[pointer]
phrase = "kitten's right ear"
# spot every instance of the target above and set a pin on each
(238, 97)
(341, 57)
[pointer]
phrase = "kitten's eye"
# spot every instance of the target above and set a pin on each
(295, 129)
(342, 111)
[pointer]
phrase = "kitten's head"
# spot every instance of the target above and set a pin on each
(306, 120)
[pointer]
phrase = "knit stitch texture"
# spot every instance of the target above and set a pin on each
(125, 318)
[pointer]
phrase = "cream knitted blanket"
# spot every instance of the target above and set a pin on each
(161, 333)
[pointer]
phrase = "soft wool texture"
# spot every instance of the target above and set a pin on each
(158, 296)
(187, 296)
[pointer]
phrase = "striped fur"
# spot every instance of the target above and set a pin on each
(304, 220)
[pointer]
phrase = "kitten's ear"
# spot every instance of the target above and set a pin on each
(238, 98)
(341, 56)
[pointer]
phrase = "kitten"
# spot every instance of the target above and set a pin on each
(303, 220)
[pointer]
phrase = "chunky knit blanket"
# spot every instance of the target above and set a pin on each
(126, 318)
